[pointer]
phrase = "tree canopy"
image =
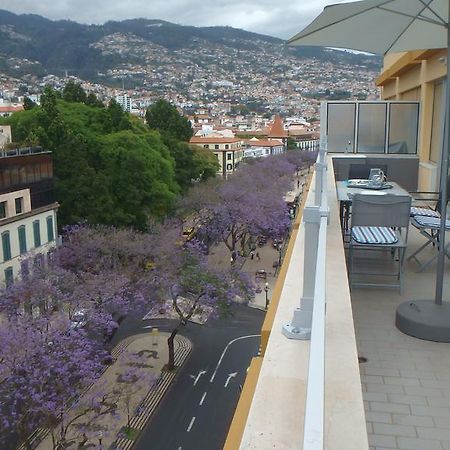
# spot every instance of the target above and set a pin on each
(165, 118)
(109, 167)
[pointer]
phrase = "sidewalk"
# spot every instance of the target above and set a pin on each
(153, 349)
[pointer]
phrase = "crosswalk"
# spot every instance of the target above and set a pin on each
(150, 401)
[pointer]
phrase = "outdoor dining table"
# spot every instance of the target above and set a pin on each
(345, 194)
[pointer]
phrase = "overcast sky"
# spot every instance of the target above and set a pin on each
(281, 18)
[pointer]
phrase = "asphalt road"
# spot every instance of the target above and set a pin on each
(196, 412)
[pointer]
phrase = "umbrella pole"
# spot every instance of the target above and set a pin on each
(443, 183)
(430, 319)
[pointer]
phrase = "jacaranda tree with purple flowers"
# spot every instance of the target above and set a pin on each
(191, 286)
(247, 205)
(43, 368)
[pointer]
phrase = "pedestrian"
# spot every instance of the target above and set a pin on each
(258, 257)
(298, 184)
(252, 254)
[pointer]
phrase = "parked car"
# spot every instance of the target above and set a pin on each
(78, 319)
(261, 273)
(262, 240)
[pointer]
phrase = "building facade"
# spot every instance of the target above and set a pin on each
(125, 102)
(264, 147)
(5, 135)
(419, 76)
(229, 151)
(28, 223)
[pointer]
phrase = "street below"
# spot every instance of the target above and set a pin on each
(198, 408)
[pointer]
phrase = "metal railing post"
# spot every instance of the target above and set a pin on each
(300, 326)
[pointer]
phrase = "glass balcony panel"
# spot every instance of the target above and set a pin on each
(372, 128)
(341, 127)
(403, 128)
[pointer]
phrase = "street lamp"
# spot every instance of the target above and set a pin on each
(266, 290)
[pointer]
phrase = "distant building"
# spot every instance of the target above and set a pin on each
(125, 102)
(7, 109)
(263, 147)
(27, 209)
(305, 139)
(5, 135)
(277, 131)
(228, 150)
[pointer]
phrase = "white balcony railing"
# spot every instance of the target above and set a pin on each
(308, 320)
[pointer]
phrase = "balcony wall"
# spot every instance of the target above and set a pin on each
(276, 413)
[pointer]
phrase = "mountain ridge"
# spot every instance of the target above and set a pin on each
(62, 44)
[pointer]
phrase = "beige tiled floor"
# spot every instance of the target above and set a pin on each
(405, 381)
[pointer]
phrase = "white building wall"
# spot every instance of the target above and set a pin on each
(11, 224)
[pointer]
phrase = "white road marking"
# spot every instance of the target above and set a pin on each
(190, 425)
(148, 326)
(230, 376)
(196, 378)
(225, 350)
(203, 399)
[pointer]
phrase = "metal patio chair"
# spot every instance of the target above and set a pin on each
(429, 228)
(427, 221)
(379, 222)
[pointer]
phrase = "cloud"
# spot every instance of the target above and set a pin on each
(283, 18)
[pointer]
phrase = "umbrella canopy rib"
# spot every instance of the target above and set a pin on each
(418, 16)
(427, 6)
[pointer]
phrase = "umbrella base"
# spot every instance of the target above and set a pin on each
(424, 319)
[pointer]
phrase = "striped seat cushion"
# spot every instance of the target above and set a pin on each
(431, 222)
(427, 212)
(374, 235)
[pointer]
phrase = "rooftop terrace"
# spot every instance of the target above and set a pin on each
(396, 397)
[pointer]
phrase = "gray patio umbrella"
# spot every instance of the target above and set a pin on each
(388, 26)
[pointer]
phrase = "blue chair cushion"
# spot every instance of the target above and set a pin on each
(431, 222)
(427, 212)
(374, 235)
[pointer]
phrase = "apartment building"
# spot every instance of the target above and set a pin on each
(28, 226)
(228, 150)
(125, 102)
(420, 76)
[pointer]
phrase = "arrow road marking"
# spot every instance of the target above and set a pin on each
(203, 399)
(196, 378)
(230, 376)
(190, 425)
(225, 350)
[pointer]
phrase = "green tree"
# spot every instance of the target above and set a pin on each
(28, 103)
(165, 118)
(291, 144)
(73, 92)
(103, 174)
(92, 100)
(119, 119)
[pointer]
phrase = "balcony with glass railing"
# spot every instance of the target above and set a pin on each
(334, 371)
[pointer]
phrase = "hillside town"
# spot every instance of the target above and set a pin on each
(230, 77)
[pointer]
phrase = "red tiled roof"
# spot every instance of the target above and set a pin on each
(265, 143)
(213, 140)
(11, 108)
(277, 129)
